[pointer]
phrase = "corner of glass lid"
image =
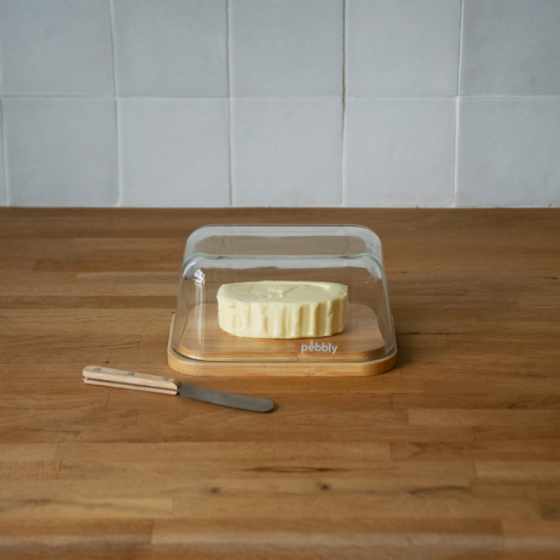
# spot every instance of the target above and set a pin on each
(282, 240)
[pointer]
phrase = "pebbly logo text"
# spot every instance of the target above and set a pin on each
(318, 347)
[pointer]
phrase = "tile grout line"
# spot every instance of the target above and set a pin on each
(456, 166)
(343, 126)
(229, 104)
(457, 108)
(113, 63)
(4, 153)
(117, 108)
(478, 96)
(460, 54)
(118, 133)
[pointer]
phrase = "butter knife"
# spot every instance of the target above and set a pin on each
(97, 375)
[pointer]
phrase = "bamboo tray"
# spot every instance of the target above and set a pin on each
(359, 351)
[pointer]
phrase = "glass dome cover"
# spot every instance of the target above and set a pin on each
(291, 314)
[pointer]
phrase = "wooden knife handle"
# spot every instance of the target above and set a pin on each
(97, 375)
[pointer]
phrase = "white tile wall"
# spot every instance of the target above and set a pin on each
(56, 47)
(174, 152)
(286, 152)
(509, 149)
(511, 47)
(399, 152)
(402, 47)
(171, 47)
(61, 152)
(286, 47)
(280, 102)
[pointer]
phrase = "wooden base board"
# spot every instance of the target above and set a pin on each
(189, 366)
(360, 341)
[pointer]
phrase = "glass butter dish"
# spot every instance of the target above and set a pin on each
(258, 300)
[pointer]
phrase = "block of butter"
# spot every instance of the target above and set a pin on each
(282, 309)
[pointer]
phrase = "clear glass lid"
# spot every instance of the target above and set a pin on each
(283, 293)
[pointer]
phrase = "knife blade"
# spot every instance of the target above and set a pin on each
(108, 377)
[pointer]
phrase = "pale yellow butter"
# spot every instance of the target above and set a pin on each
(282, 309)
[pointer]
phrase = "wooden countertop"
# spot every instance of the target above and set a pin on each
(456, 453)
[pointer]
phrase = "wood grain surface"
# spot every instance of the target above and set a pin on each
(453, 454)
